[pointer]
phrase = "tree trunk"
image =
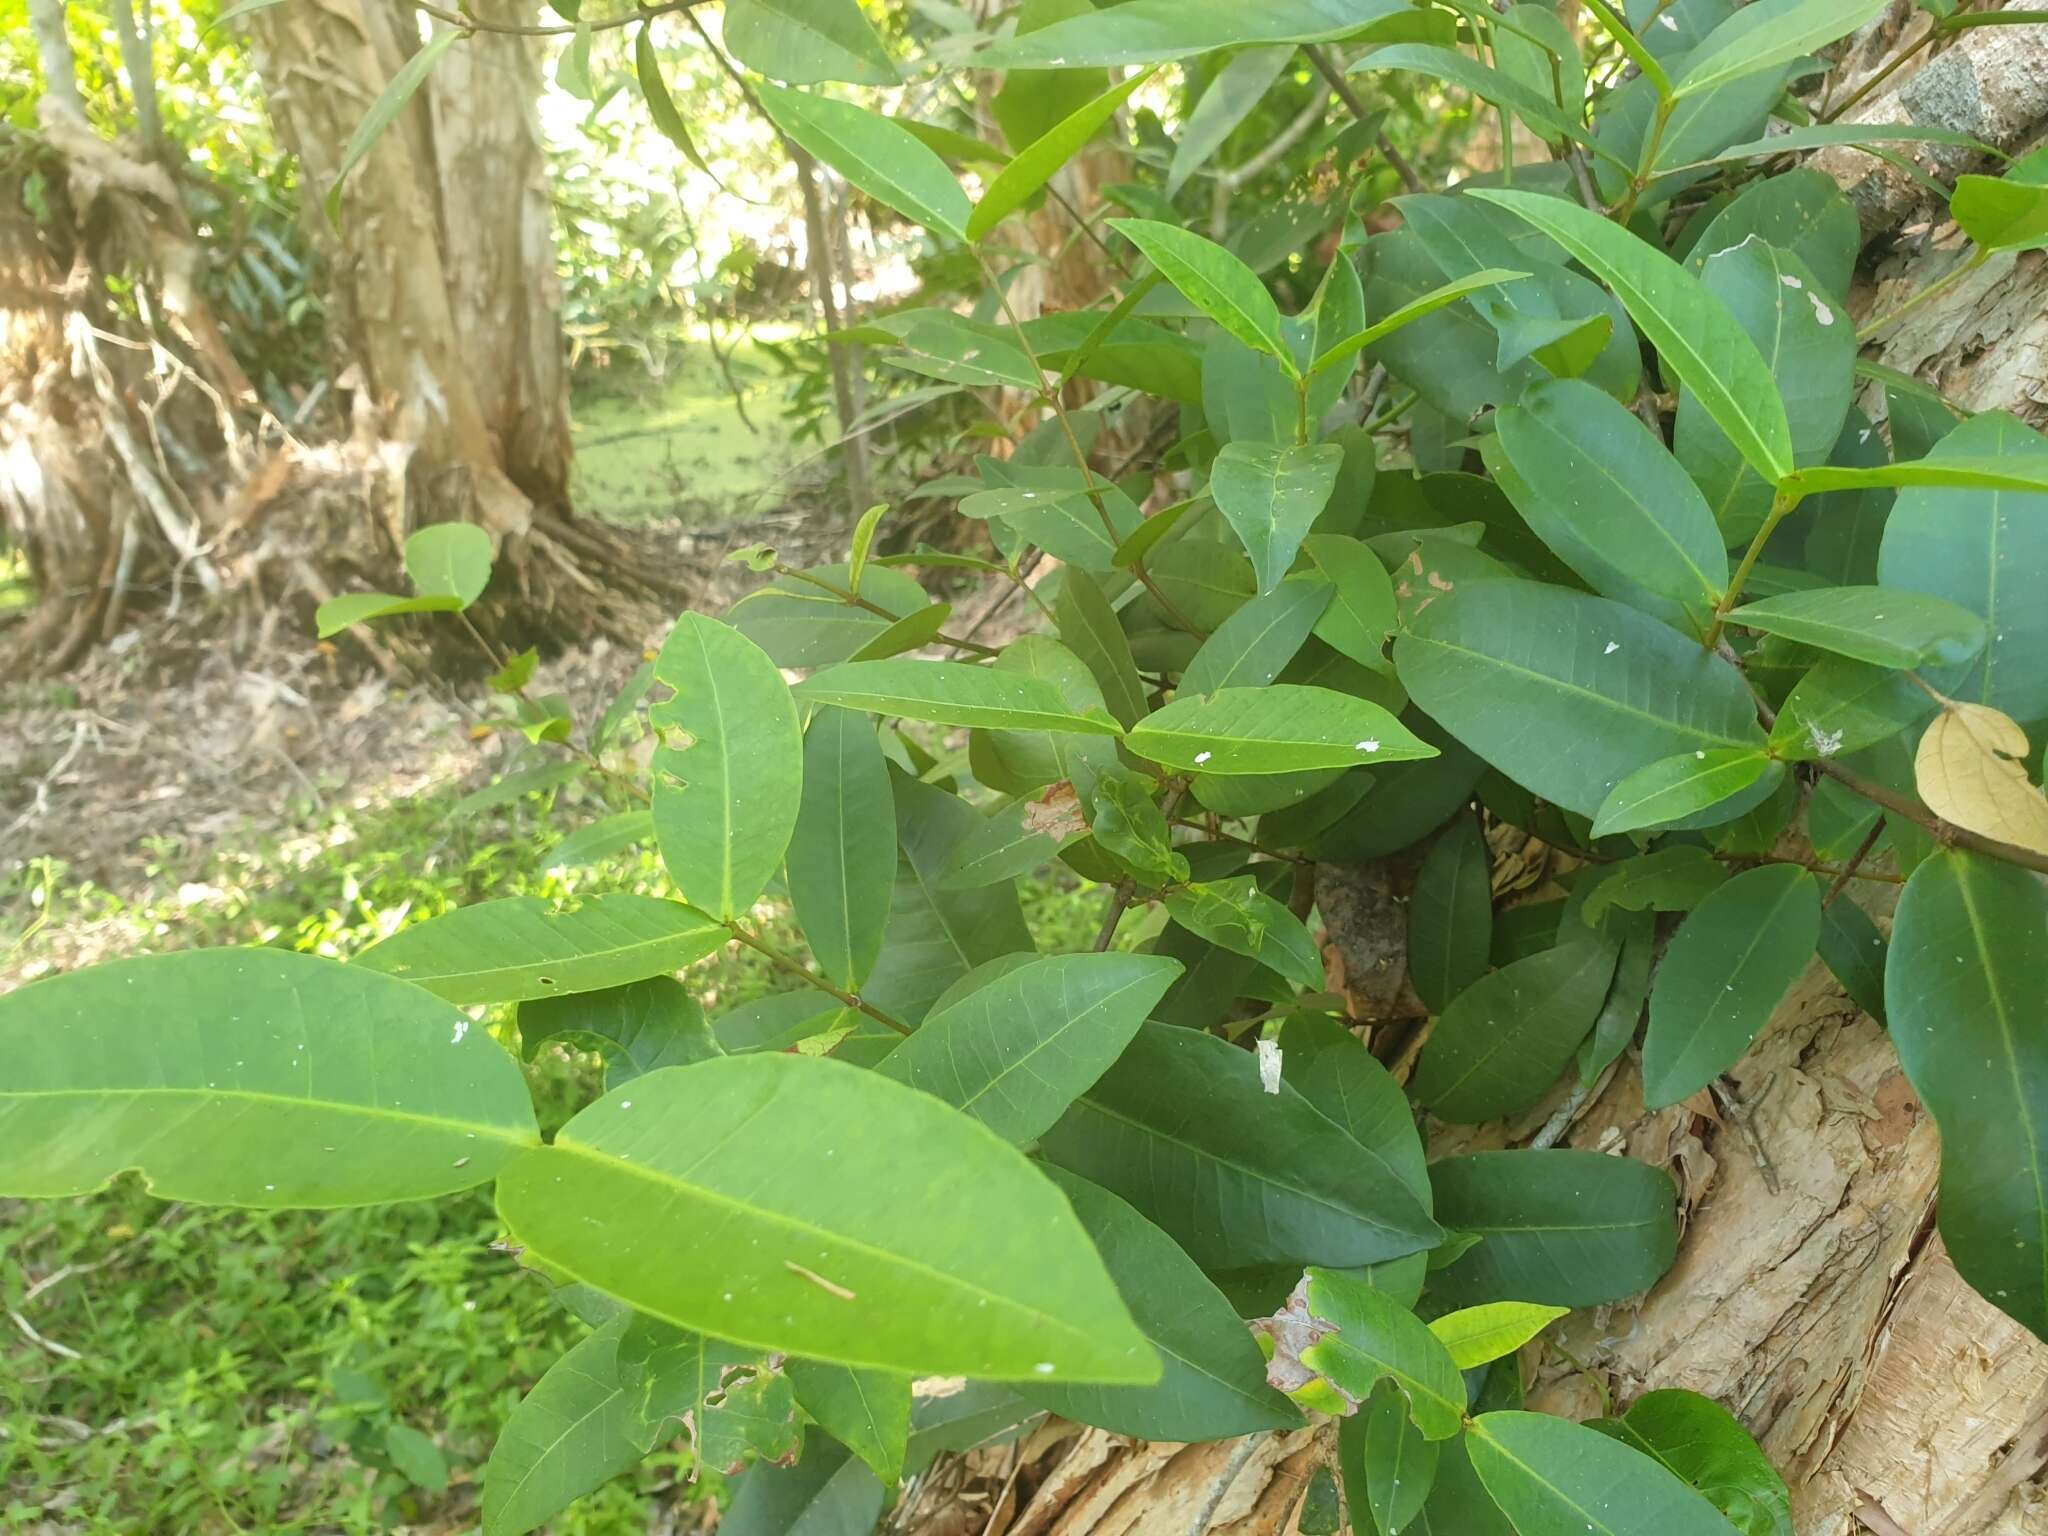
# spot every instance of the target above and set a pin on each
(1811, 1294)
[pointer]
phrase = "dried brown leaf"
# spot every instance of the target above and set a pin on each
(1970, 772)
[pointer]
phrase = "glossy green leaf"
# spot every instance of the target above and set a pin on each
(748, 1197)
(1555, 1478)
(1798, 138)
(1214, 1384)
(1880, 625)
(1561, 1227)
(842, 855)
(1331, 1068)
(1843, 705)
(1214, 281)
(1284, 728)
(1377, 1339)
(1361, 613)
(1475, 1335)
(1605, 494)
(728, 777)
(1502, 1042)
(639, 1028)
(803, 42)
(1962, 994)
(521, 947)
(449, 560)
(1855, 952)
(1015, 1052)
(1181, 1128)
(600, 839)
(1673, 879)
(338, 613)
(1157, 31)
(868, 1412)
(1271, 496)
(1545, 116)
(1131, 828)
(950, 693)
(878, 155)
(1254, 645)
(1037, 163)
(1389, 1468)
(1693, 789)
(251, 1077)
(1450, 915)
(830, 1492)
(1089, 627)
(578, 1428)
(1700, 342)
(2005, 213)
(1699, 1441)
(1801, 212)
(1415, 309)
(1734, 957)
(1240, 917)
(1988, 551)
(1767, 34)
(1568, 694)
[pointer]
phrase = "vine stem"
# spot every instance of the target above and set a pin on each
(1855, 860)
(804, 973)
(1782, 504)
(1940, 285)
(958, 643)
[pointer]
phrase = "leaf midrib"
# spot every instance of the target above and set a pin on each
(480, 1128)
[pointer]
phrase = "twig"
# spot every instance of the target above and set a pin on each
(28, 1330)
(468, 23)
(1359, 110)
(804, 973)
(1849, 870)
(1214, 1502)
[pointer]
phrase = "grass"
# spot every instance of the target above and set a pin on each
(678, 446)
(227, 1371)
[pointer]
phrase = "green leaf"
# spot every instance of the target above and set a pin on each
(728, 779)
(389, 103)
(749, 1196)
(1271, 496)
(1698, 1440)
(1426, 304)
(601, 839)
(830, 1492)
(1378, 1339)
(842, 856)
(578, 1428)
(1475, 1335)
(1734, 957)
(1131, 828)
(2005, 213)
(1546, 117)
(866, 1411)
(1232, 94)
(521, 947)
(640, 1027)
(661, 107)
(1089, 628)
(1214, 281)
(804, 42)
(1802, 213)
(1039, 161)
(1016, 1051)
(1284, 728)
(1561, 1227)
(1389, 1468)
(1844, 706)
(1882, 626)
(1962, 993)
(1988, 551)
(1605, 494)
(516, 786)
(1693, 789)
(1158, 31)
(877, 154)
(1766, 34)
(1361, 612)
(251, 1077)
(1502, 1042)
(1794, 140)
(1331, 1068)
(1450, 915)
(1251, 647)
(801, 625)
(1241, 918)
(950, 693)
(1699, 340)
(1568, 694)
(1855, 951)
(449, 560)
(1673, 879)
(338, 613)
(1552, 1477)
(1215, 1378)
(1181, 1129)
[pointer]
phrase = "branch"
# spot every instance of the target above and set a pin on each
(467, 23)
(1350, 98)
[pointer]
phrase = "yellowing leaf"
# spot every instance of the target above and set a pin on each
(1970, 772)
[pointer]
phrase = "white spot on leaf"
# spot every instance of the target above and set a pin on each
(1269, 1065)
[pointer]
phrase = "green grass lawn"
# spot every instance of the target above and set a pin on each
(220, 1371)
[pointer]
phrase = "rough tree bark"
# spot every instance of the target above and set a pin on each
(1811, 1294)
